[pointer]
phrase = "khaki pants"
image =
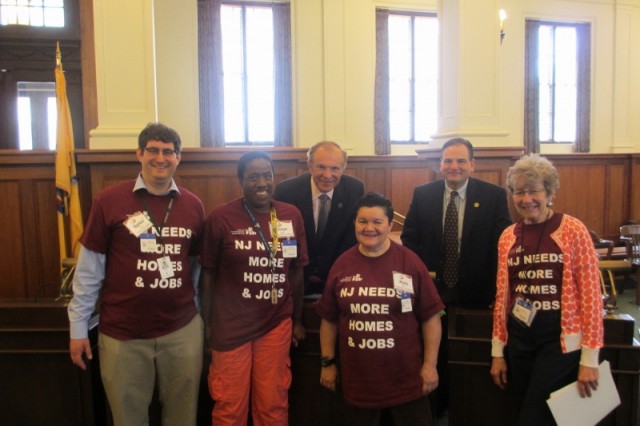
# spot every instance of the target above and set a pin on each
(129, 369)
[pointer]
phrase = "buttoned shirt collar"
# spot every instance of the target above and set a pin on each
(141, 185)
(315, 192)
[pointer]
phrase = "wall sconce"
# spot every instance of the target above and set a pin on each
(503, 15)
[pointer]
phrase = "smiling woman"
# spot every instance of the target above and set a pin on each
(256, 180)
(547, 267)
(373, 224)
(379, 298)
(252, 257)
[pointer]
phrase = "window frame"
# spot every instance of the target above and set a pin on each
(211, 66)
(412, 118)
(383, 141)
(70, 31)
(29, 55)
(532, 140)
(246, 130)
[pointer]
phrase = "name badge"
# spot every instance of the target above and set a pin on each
(289, 249)
(148, 243)
(138, 223)
(524, 311)
(285, 229)
(402, 282)
(405, 302)
(165, 267)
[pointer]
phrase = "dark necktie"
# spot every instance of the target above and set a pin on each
(450, 268)
(323, 213)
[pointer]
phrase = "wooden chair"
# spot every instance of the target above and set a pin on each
(609, 267)
(609, 291)
(600, 244)
(630, 234)
(398, 224)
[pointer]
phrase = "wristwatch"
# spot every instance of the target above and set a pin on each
(325, 361)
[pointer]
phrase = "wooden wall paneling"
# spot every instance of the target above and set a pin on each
(594, 188)
(582, 193)
(358, 172)
(403, 182)
(45, 246)
(634, 192)
(603, 190)
(12, 267)
(395, 177)
(29, 216)
(106, 175)
(29, 235)
(616, 202)
(375, 179)
(213, 189)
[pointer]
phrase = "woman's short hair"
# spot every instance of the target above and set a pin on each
(248, 157)
(534, 167)
(159, 132)
(375, 199)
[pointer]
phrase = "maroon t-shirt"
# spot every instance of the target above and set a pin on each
(381, 348)
(535, 264)
(241, 308)
(136, 302)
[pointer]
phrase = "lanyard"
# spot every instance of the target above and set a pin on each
(148, 210)
(541, 236)
(274, 243)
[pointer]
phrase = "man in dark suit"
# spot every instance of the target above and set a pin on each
(335, 233)
(483, 214)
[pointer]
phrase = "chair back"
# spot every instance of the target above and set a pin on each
(631, 235)
(603, 247)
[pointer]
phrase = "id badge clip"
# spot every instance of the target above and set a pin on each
(524, 310)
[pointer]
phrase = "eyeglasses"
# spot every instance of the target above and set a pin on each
(530, 192)
(166, 152)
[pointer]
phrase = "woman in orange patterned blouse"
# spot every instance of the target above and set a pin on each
(547, 321)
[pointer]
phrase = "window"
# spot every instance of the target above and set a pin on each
(245, 73)
(406, 78)
(557, 84)
(247, 58)
(35, 13)
(37, 100)
(29, 30)
(413, 77)
(557, 70)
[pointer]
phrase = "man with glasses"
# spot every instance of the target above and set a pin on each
(327, 198)
(465, 264)
(138, 254)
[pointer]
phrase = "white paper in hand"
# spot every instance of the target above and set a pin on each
(570, 409)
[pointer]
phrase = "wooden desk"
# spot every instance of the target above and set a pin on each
(476, 400)
(309, 403)
(39, 384)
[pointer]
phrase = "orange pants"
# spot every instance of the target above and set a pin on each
(260, 368)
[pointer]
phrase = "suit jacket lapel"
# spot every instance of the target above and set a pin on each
(337, 202)
(470, 209)
(437, 203)
(306, 210)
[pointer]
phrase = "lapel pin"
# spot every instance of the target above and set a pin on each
(476, 204)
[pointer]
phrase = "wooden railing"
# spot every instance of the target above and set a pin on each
(600, 189)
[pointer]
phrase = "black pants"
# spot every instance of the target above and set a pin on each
(412, 413)
(538, 366)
